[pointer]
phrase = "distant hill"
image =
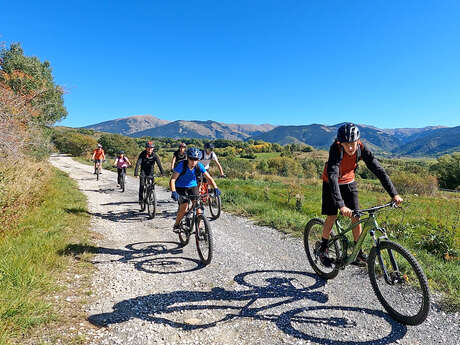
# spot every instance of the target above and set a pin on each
(321, 136)
(427, 141)
(434, 143)
(129, 125)
(205, 129)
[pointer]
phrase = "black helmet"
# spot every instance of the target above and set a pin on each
(348, 133)
(121, 152)
(149, 144)
(193, 152)
(209, 146)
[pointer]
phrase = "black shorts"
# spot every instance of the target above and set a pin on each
(187, 191)
(349, 194)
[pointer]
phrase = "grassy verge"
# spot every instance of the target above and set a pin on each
(31, 265)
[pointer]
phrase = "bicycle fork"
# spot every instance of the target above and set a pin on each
(393, 262)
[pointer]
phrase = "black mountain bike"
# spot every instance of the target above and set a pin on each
(395, 275)
(149, 199)
(198, 224)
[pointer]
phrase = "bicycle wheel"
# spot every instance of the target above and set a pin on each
(151, 203)
(204, 242)
(214, 205)
(98, 171)
(404, 291)
(122, 182)
(184, 233)
(312, 241)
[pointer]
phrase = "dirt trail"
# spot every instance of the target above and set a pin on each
(259, 288)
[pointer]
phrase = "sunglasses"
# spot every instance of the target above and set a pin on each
(194, 159)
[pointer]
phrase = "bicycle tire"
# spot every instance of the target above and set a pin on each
(204, 239)
(97, 174)
(184, 233)
(214, 199)
(408, 288)
(151, 203)
(122, 182)
(312, 241)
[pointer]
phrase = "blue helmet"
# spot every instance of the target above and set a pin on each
(193, 152)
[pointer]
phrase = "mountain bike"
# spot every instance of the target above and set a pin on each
(209, 197)
(98, 168)
(396, 277)
(193, 222)
(149, 199)
(122, 178)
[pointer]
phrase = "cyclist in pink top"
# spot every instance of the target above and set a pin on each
(121, 162)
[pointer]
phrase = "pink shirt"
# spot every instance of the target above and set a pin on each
(121, 163)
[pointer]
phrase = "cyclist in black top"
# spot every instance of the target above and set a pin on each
(146, 163)
(179, 155)
(340, 191)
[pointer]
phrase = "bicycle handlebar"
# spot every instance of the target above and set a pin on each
(183, 198)
(357, 213)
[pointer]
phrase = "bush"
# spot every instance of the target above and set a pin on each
(409, 183)
(237, 168)
(448, 170)
(113, 143)
(284, 166)
(74, 143)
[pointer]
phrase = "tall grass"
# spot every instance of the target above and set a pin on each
(30, 262)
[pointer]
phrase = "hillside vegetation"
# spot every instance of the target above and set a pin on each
(33, 196)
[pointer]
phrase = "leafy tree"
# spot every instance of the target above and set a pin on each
(447, 169)
(31, 78)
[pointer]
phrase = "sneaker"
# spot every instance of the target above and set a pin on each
(94, 173)
(361, 260)
(142, 206)
(176, 228)
(324, 258)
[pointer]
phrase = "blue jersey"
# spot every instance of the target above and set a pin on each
(188, 180)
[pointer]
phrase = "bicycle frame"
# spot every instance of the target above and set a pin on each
(369, 225)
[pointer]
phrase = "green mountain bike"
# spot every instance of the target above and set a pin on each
(395, 275)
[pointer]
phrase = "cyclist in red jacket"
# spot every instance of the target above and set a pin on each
(340, 191)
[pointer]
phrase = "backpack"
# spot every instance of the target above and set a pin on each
(198, 173)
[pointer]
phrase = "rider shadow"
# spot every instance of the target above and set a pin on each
(121, 216)
(151, 254)
(269, 299)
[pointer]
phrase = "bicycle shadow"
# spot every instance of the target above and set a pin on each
(127, 216)
(273, 297)
(145, 256)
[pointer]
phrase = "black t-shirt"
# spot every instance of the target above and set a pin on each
(179, 157)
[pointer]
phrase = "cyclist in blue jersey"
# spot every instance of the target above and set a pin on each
(184, 181)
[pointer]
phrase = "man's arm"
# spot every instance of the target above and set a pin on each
(138, 164)
(157, 159)
(373, 164)
(333, 172)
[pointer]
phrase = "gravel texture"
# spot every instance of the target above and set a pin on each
(258, 289)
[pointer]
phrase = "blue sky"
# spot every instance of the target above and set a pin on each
(384, 63)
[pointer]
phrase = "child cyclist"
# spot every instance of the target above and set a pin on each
(340, 191)
(184, 181)
(121, 162)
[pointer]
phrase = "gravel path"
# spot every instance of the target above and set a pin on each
(259, 288)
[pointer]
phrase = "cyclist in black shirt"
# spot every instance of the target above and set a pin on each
(179, 155)
(146, 163)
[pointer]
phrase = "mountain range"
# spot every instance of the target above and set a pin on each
(426, 141)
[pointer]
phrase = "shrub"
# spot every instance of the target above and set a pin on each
(448, 170)
(409, 183)
(237, 168)
(284, 166)
(73, 142)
